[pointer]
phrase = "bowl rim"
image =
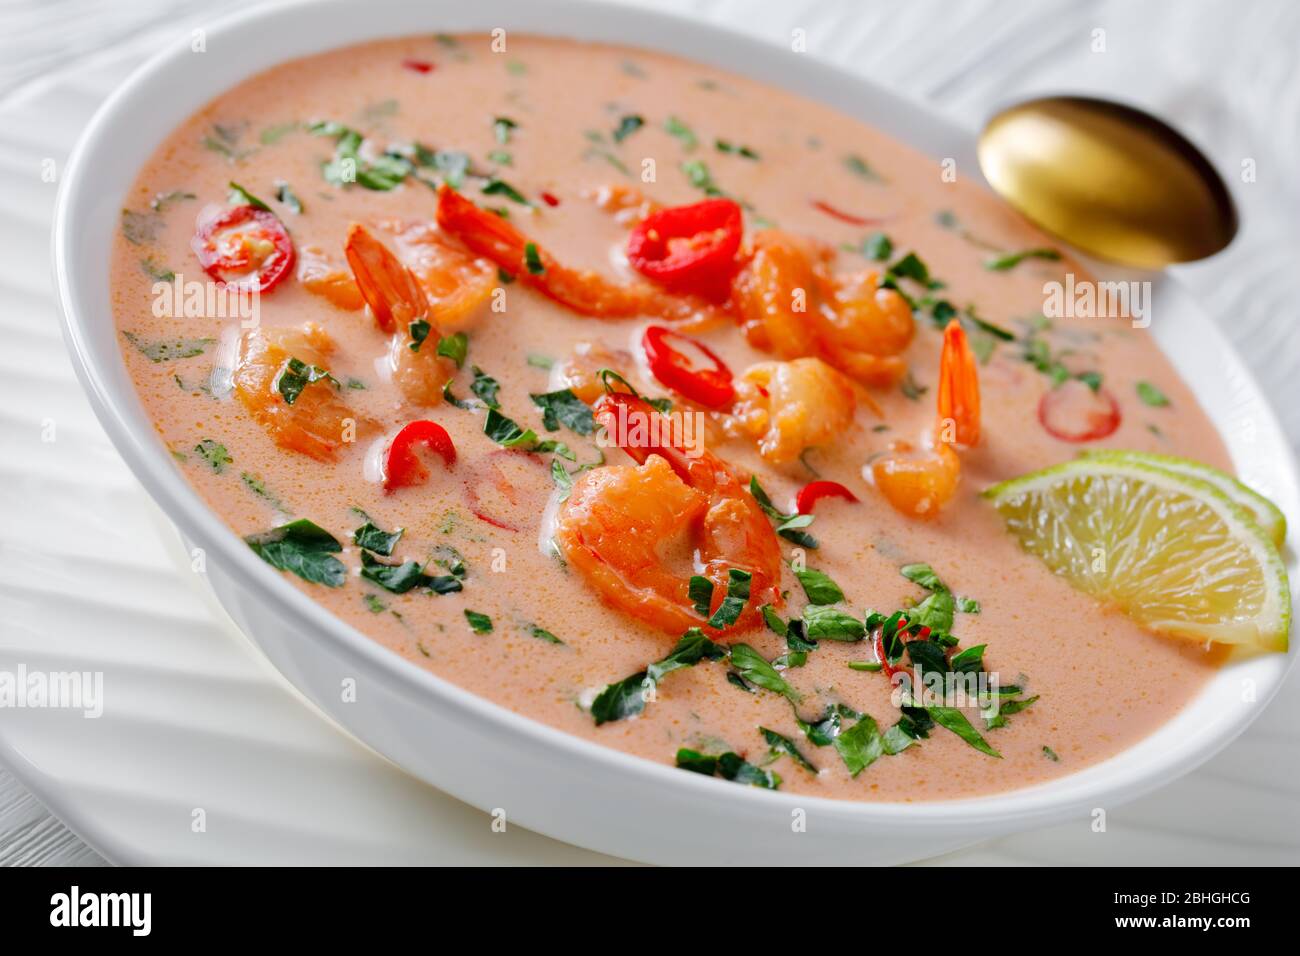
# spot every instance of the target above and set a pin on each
(328, 25)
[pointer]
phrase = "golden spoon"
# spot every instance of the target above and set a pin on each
(1109, 179)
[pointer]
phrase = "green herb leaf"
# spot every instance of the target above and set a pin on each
(564, 408)
(1151, 395)
(729, 766)
(499, 187)
(831, 624)
(782, 744)
(1009, 260)
(627, 126)
(375, 539)
(167, 350)
(819, 587)
(533, 259)
(296, 375)
(400, 578)
(737, 595)
(700, 591)
(858, 167)
(302, 548)
(877, 246)
(214, 453)
(627, 697)
(953, 719)
(859, 746)
(419, 330)
(239, 196)
(756, 669)
(478, 623)
(681, 132)
(454, 347)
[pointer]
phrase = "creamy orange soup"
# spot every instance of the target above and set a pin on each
(573, 146)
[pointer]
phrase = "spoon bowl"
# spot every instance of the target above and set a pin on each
(1109, 179)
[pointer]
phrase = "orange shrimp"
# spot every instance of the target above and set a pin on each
(621, 525)
(400, 306)
(627, 204)
(919, 480)
(317, 422)
(790, 406)
(790, 303)
(459, 286)
(580, 371)
(320, 275)
(584, 291)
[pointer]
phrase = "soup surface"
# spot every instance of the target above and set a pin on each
(574, 145)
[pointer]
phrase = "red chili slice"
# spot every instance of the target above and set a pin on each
(550, 199)
(419, 66)
(689, 248)
(489, 492)
(815, 491)
(1074, 412)
(402, 466)
(711, 387)
(843, 216)
(885, 666)
(244, 247)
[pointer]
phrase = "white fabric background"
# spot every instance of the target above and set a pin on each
(1226, 73)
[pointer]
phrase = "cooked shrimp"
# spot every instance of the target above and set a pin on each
(920, 479)
(487, 234)
(579, 372)
(621, 524)
(305, 413)
(790, 406)
(791, 304)
(400, 306)
(459, 286)
(321, 275)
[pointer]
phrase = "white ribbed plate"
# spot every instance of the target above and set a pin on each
(195, 719)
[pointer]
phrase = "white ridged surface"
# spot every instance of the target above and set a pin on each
(195, 719)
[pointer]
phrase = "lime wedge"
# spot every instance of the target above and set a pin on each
(1171, 550)
(1266, 514)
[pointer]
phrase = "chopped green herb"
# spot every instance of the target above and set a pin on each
(755, 668)
(374, 604)
(1009, 260)
(729, 766)
(860, 746)
(1050, 754)
(681, 132)
(533, 259)
(627, 126)
(454, 347)
(954, 720)
(214, 453)
(858, 167)
(273, 134)
(911, 388)
(737, 594)
(507, 433)
(303, 548)
(877, 246)
(871, 666)
(724, 146)
(831, 624)
(700, 591)
(819, 587)
(419, 330)
(485, 387)
(400, 578)
(781, 744)
(540, 361)
(542, 634)
(499, 187)
(239, 196)
(375, 539)
(788, 526)
(627, 697)
(564, 408)
(140, 228)
(160, 202)
(478, 623)
(296, 375)
(697, 171)
(1151, 395)
(167, 350)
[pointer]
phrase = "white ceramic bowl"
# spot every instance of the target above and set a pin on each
(488, 756)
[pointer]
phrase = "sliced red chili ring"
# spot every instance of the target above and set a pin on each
(709, 386)
(246, 247)
(1074, 412)
(402, 466)
(815, 491)
(841, 215)
(418, 66)
(689, 248)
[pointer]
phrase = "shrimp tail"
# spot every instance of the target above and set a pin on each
(392, 291)
(959, 388)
